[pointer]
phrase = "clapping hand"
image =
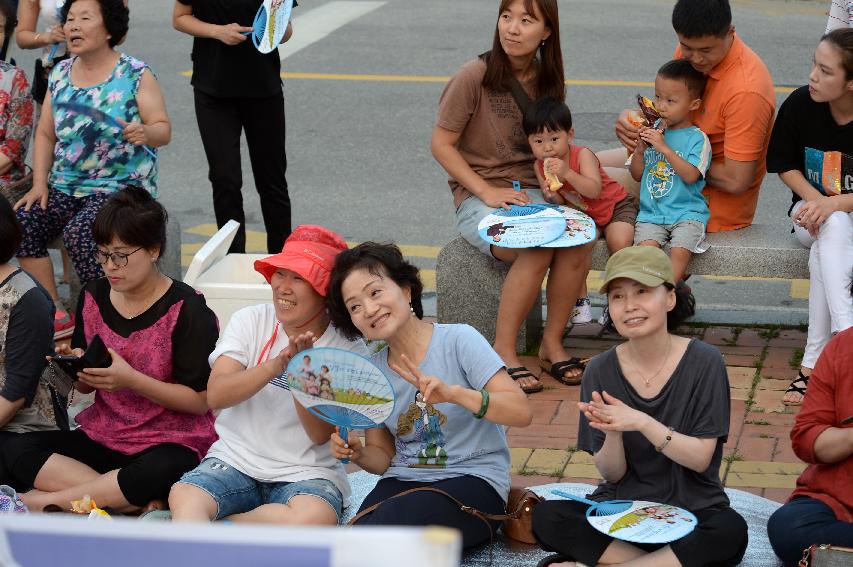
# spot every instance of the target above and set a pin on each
(296, 345)
(606, 413)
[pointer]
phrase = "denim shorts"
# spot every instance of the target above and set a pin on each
(689, 234)
(472, 210)
(235, 492)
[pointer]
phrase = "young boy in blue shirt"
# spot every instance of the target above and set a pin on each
(670, 162)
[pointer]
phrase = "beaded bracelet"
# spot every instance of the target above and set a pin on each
(484, 406)
(666, 441)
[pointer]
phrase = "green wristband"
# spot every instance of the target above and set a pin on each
(484, 407)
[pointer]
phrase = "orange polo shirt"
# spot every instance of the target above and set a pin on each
(737, 116)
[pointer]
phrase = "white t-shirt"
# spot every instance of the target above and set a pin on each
(262, 436)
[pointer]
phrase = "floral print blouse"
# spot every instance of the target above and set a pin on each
(91, 156)
(16, 120)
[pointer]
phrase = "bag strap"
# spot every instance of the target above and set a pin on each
(515, 89)
(461, 505)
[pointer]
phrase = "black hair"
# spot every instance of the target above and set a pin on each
(380, 260)
(116, 18)
(134, 217)
(682, 70)
(685, 305)
(8, 11)
(10, 231)
(701, 18)
(546, 113)
(842, 39)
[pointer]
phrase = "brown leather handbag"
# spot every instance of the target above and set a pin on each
(518, 521)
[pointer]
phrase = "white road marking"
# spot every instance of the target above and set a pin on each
(313, 25)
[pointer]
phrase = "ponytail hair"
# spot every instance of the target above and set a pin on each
(842, 40)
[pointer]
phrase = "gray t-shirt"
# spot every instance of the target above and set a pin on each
(437, 442)
(695, 401)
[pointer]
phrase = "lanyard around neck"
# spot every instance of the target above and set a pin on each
(265, 352)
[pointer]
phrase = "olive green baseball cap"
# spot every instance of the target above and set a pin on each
(645, 264)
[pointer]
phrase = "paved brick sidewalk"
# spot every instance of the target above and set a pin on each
(758, 456)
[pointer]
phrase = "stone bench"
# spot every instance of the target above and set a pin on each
(468, 283)
(508, 553)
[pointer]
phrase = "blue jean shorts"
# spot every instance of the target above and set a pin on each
(236, 492)
(472, 210)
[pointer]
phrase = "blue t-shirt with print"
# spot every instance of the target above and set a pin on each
(437, 442)
(664, 197)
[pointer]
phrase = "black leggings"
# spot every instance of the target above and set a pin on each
(431, 509)
(719, 540)
(142, 477)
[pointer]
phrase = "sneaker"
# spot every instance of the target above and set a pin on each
(9, 501)
(582, 313)
(63, 324)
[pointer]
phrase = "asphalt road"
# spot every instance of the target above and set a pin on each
(362, 104)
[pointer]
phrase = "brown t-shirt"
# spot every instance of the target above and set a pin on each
(492, 141)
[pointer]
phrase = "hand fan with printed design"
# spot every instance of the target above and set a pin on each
(340, 387)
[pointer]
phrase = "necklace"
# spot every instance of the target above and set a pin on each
(155, 294)
(648, 381)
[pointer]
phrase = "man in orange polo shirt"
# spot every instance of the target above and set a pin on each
(736, 112)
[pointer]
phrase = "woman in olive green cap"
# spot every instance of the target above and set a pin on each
(654, 415)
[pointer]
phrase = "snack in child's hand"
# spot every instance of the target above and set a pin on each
(650, 113)
(554, 182)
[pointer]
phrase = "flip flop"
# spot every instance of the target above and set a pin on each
(798, 385)
(520, 372)
(558, 369)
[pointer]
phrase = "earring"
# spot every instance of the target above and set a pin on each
(542, 43)
(412, 309)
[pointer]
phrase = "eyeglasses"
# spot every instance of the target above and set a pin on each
(119, 258)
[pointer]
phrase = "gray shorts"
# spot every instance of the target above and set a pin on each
(689, 234)
(473, 210)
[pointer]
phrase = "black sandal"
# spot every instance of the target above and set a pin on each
(558, 369)
(798, 385)
(520, 372)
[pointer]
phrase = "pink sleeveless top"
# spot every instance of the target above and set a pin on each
(125, 421)
(601, 209)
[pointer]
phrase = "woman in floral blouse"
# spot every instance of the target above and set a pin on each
(81, 158)
(16, 110)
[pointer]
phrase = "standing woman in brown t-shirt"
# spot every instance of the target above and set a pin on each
(479, 140)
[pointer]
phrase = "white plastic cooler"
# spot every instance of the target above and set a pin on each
(229, 282)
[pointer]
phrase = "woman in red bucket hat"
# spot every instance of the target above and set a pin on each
(272, 462)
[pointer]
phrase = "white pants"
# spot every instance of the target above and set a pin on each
(830, 266)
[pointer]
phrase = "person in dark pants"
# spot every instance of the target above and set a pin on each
(238, 88)
(655, 414)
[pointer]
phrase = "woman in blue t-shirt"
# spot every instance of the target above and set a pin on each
(454, 398)
(811, 148)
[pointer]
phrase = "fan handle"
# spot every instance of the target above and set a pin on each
(345, 436)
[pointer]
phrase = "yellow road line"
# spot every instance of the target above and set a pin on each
(444, 79)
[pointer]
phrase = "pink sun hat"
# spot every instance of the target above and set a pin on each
(309, 251)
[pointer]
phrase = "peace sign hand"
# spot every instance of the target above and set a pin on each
(432, 389)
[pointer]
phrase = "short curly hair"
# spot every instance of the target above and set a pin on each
(384, 260)
(116, 18)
